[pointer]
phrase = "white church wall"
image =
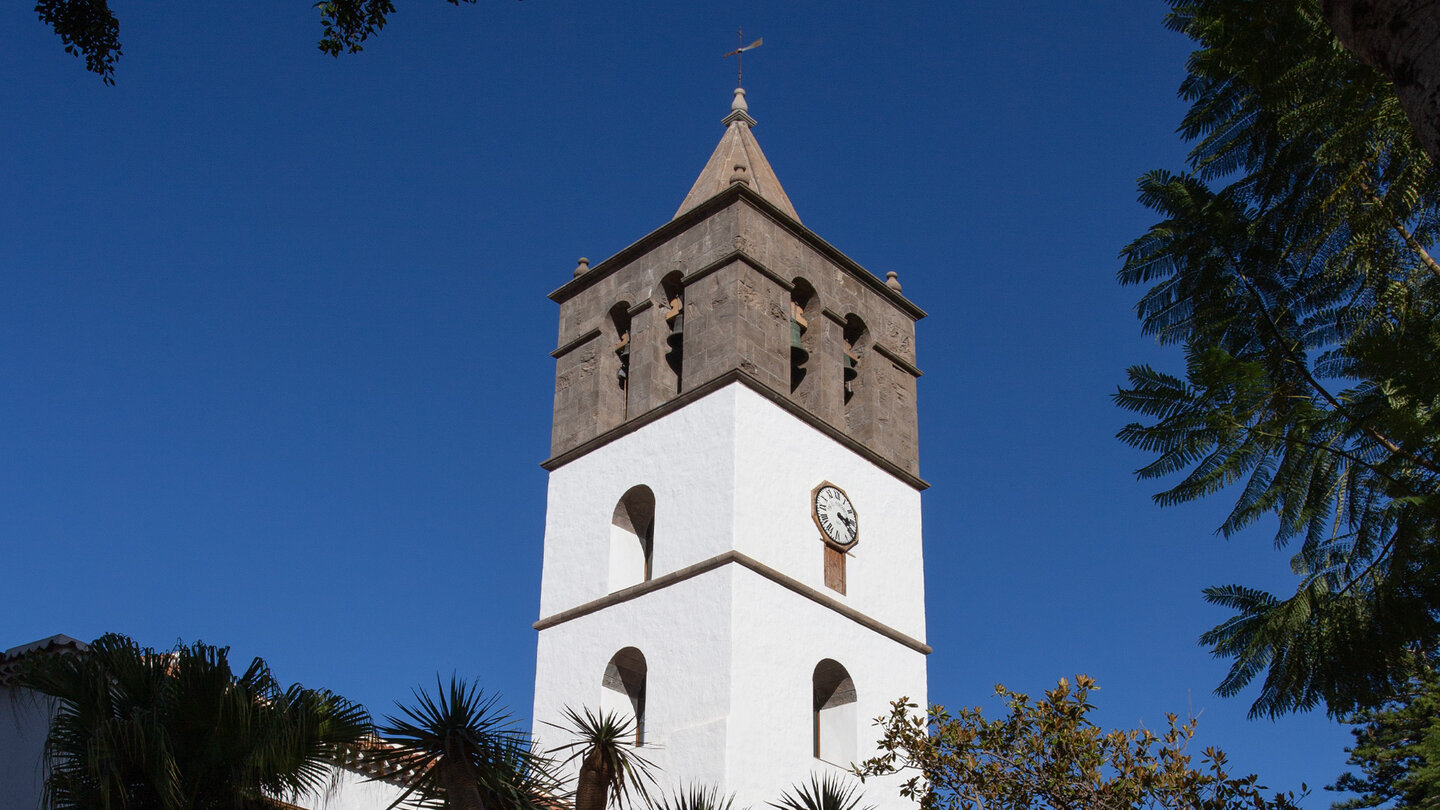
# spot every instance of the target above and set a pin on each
(773, 690)
(778, 461)
(685, 458)
(24, 722)
(733, 470)
(687, 664)
(351, 791)
(730, 654)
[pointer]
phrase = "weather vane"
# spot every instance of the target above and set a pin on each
(739, 54)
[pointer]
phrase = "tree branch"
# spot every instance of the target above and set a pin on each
(1324, 393)
(1399, 227)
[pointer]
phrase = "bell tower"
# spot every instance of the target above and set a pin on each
(732, 538)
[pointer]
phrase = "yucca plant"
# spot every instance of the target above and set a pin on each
(833, 792)
(610, 767)
(462, 751)
(694, 797)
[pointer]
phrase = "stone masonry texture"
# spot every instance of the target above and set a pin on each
(738, 259)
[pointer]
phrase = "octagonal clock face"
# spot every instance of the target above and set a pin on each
(835, 516)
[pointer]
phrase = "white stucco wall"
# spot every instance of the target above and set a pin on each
(24, 722)
(778, 461)
(351, 791)
(686, 639)
(771, 722)
(686, 459)
(730, 653)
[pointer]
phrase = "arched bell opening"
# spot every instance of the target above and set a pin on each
(622, 691)
(836, 714)
(855, 335)
(632, 538)
(620, 323)
(803, 305)
(674, 309)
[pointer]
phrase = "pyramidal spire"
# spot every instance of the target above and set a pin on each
(738, 159)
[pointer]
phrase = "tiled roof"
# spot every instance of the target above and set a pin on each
(11, 658)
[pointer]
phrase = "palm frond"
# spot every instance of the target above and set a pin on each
(605, 745)
(133, 727)
(694, 797)
(460, 740)
(833, 792)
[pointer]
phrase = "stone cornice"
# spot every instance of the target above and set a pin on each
(576, 343)
(733, 557)
(710, 386)
(895, 358)
(643, 245)
(833, 253)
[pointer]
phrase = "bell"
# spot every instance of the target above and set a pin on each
(798, 355)
(622, 351)
(851, 372)
(677, 331)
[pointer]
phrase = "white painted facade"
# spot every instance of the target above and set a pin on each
(349, 790)
(24, 723)
(730, 653)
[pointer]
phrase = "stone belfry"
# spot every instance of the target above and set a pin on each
(732, 539)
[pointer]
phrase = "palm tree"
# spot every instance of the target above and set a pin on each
(609, 764)
(133, 727)
(831, 793)
(461, 751)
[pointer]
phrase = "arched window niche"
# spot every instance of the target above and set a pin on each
(622, 691)
(632, 538)
(836, 729)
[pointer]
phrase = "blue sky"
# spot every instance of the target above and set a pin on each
(275, 335)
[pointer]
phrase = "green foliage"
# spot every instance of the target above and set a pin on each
(88, 28)
(610, 765)
(831, 793)
(1397, 748)
(178, 729)
(1048, 755)
(1293, 266)
(461, 750)
(349, 23)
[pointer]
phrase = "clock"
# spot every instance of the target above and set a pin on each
(835, 516)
